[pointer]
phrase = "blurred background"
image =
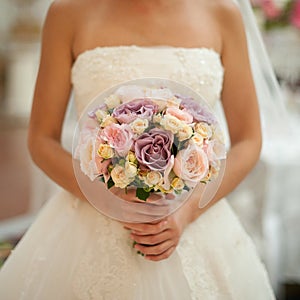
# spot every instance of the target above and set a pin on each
(267, 202)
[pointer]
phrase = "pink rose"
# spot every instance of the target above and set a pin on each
(191, 165)
(181, 115)
(119, 137)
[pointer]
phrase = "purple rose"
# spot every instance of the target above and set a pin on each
(153, 149)
(199, 112)
(139, 108)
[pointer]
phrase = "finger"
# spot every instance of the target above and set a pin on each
(161, 256)
(152, 239)
(155, 249)
(147, 228)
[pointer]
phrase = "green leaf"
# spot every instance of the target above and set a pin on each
(142, 194)
(101, 178)
(186, 188)
(110, 183)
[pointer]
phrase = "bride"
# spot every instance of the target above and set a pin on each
(72, 251)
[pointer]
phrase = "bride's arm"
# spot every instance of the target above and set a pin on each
(51, 97)
(242, 114)
(240, 106)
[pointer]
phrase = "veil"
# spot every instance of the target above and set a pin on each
(275, 122)
(276, 126)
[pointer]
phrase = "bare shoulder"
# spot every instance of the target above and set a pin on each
(230, 22)
(227, 13)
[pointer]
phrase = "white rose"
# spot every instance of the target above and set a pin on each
(112, 101)
(139, 125)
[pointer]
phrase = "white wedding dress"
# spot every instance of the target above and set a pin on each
(73, 252)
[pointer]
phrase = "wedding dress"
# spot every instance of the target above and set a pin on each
(74, 252)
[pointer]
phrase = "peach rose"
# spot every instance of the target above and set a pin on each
(191, 165)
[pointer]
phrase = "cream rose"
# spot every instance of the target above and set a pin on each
(139, 125)
(119, 177)
(203, 129)
(184, 133)
(171, 123)
(191, 165)
(112, 101)
(197, 139)
(105, 151)
(130, 170)
(100, 115)
(153, 178)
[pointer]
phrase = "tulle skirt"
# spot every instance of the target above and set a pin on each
(73, 252)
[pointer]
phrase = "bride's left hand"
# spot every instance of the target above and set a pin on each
(157, 241)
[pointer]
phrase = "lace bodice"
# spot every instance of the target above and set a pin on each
(100, 68)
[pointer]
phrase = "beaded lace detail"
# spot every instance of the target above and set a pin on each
(100, 68)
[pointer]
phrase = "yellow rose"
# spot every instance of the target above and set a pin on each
(108, 120)
(105, 151)
(131, 157)
(177, 184)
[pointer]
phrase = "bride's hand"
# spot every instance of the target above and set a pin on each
(157, 241)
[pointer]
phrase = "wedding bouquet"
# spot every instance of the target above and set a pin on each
(150, 140)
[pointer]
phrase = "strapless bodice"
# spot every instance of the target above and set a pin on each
(103, 67)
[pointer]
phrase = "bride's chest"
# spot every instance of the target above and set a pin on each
(100, 68)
